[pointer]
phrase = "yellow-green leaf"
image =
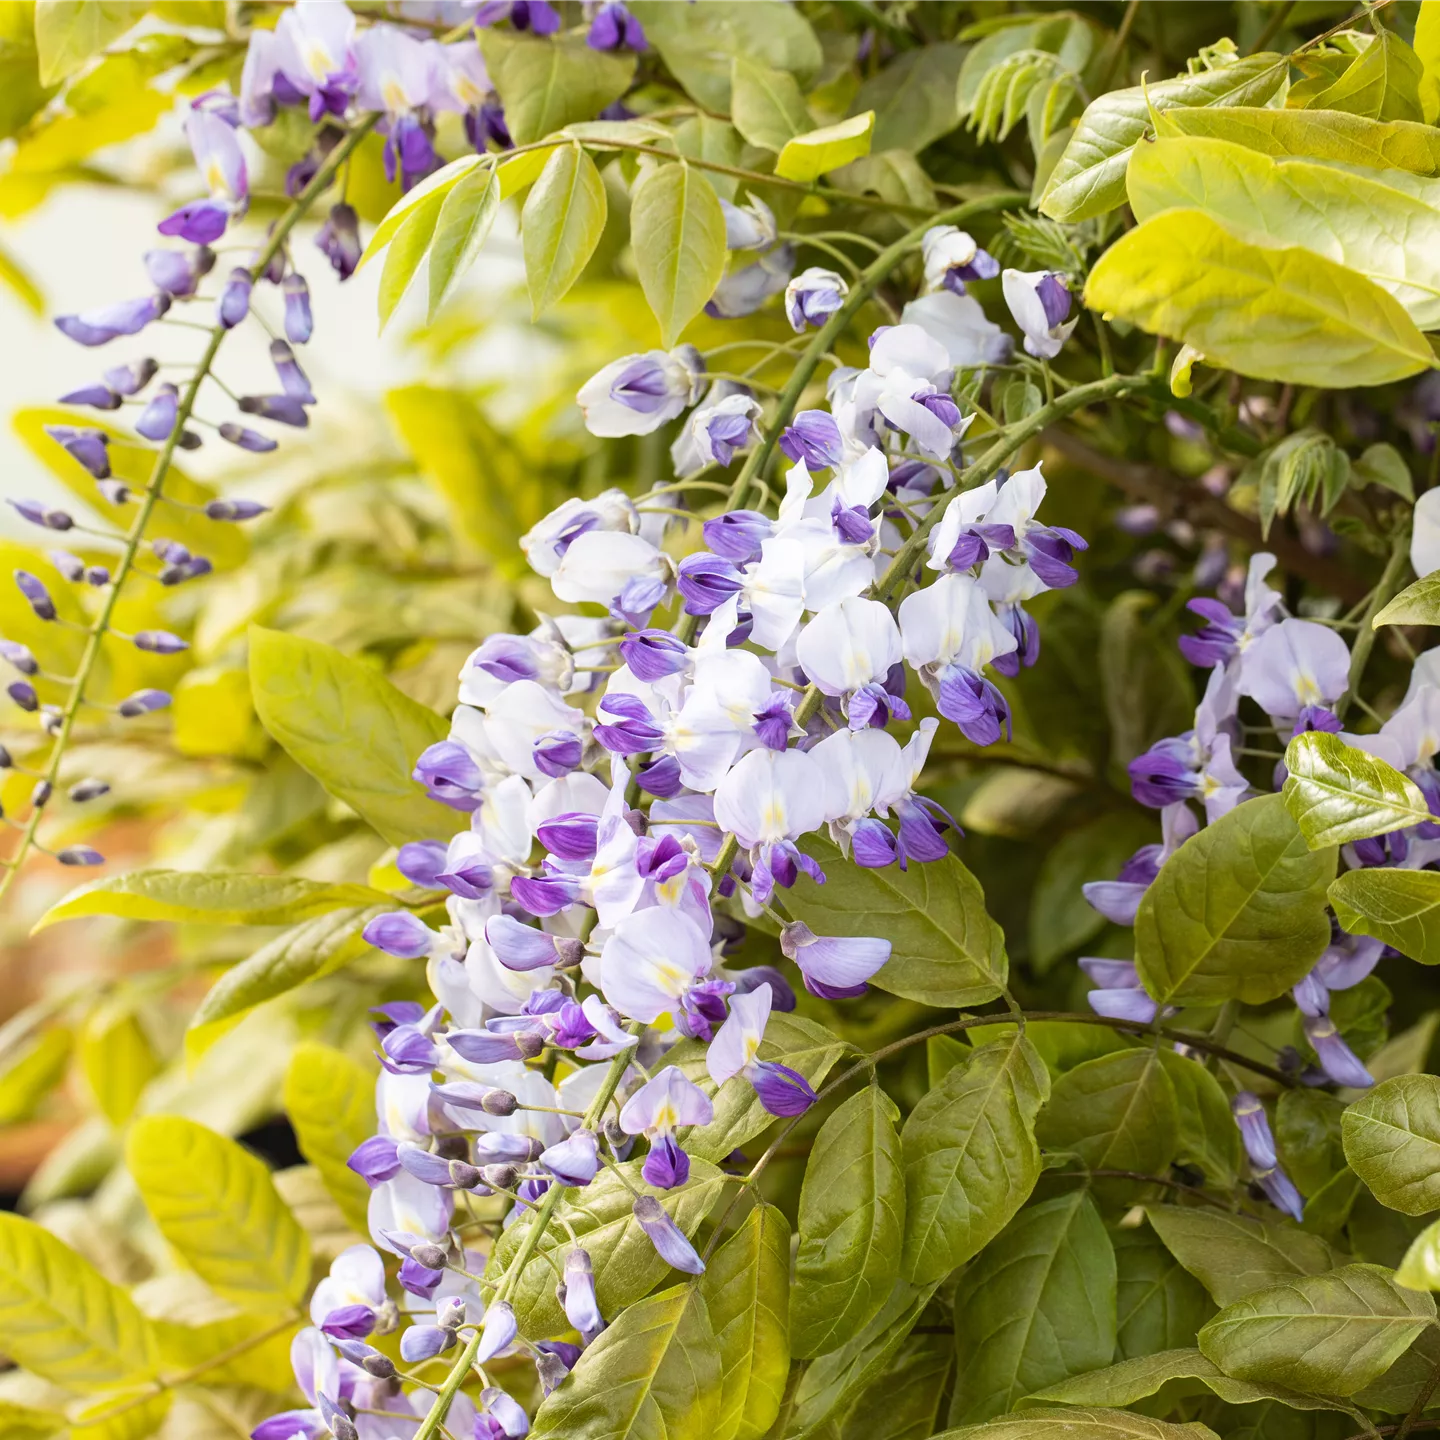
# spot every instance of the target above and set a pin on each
(69, 32)
(62, 1319)
(522, 170)
(1427, 49)
(24, 1422)
(1417, 604)
(1337, 793)
(33, 1068)
(563, 220)
(465, 220)
(1382, 84)
(330, 1101)
(1420, 1269)
(406, 252)
(217, 1205)
(219, 898)
(546, 83)
(441, 183)
(118, 1060)
(1388, 233)
(678, 231)
(1400, 907)
(766, 105)
(345, 723)
(1089, 177)
(807, 157)
(1314, 134)
(136, 1416)
(1276, 313)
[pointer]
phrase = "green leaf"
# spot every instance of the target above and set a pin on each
(1078, 1424)
(1037, 1307)
(835, 1384)
(117, 1058)
(765, 104)
(1385, 232)
(217, 1205)
(341, 720)
(69, 32)
(62, 1319)
(1420, 1269)
(1209, 1138)
(1272, 312)
(906, 1399)
(547, 83)
(33, 1067)
(1232, 1256)
(1238, 912)
(330, 1101)
(1116, 1113)
(1400, 907)
(218, 898)
(313, 949)
(407, 250)
(807, 157)
(1061, 919)
(1159, 1305)
(1337, 793)
(1316, 135)
(441, 183)
(946, 950)
(654, 1374)
(1383, 465)
(1061, 1044)
(852, 1224)
(1417, 604)
(805, 1046)
(492, 495)
(1382, 84)
(563, 220)
(913, 98)
(699, 43)
(1144, 678)
(1090, 176)
(23, 1422)
(678, 233)
(464, 222)
(1333, 1333)
(970, 1156)
(140, 1418)
(1392, 1141)
(1307, 1129)
(21, 93)
(746, 1289)
(626, 1263)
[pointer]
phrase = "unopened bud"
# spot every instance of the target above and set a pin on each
(72, 567)
(499, 1102)
(501, 1177)
(79, 855)
(43, 515)
(52, 719)
(428, 1254)
(117, 492)
(40, 795)
(97, 575)
(142, 702)
(464, 1175)
(20, 657)
(450, 1312)
(36, 593)
(235, 509)
(22, 692)
(190, 440)
(569, 951)
(84, 790)
(6, 758)
(614, 1134)
(159, 642)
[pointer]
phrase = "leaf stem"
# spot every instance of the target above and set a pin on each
(1380, 597)
(152, 493)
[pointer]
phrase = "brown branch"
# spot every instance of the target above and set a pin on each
(1171, 494)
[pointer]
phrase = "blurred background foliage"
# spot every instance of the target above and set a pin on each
(393, 537)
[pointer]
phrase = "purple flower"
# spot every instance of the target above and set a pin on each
(570, 835)
(98, 397)
(375, 1160)
(812, 297)
(706, 582)
(41, 514)
(157, 419)
(125, 317)
(1254, 1130)
(497, 1333)
(838, 964)
(178, 272)
(283, 409)
(420, 862)
(132, 378)
(449, 775)
(89, 447)
(518, 946)
(234, 303)
(19, 656)
(736, 536)
(1336, 1058)
(293, 380)
(299, 324)
(534, 15)
(401, 934)
(339, 240)
(654, 654)
(1039, 300)
(1281, 1191)
(974, 704)
(815, 439)
(246, 439)
(670, 1244)
(574, 1160)
(615, 28)
(634, 731)
(142, 702)
(545, 894)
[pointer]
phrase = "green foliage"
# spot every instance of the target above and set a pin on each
(544, 85)
(970, 1156)
(69, 32)
(1400, 907)
(1417, 604)
(817, 152)
(1116, 1112)
(679, 237)
(461, 228)
(852, 1224)
(216, 1204)
(327, 1097)
(766, 104)
(563, 221)
(350, 728)
(1392, 1141)
(1337, 793)
(945, 948)
(1333, 1333)
(1237, 912)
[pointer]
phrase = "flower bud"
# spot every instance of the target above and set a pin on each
(79, 855)
(235, 509)
(72, 567)
(117, 492)
(500, 1177)
(36, 594)
(159, 642)
(157, 419)
(97, 576)
(40, 514)
(84, 790)
(293, 380)
(299, 324)
(450, 1312)
(283, 409)
(22, 692)
(497, 1332)
(20, 657)
(341, 1426)
(369, 1359)
(133, 377)
(142, 702)
(97, 397)
(40, 795)
(234, 303)
(246, 439)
